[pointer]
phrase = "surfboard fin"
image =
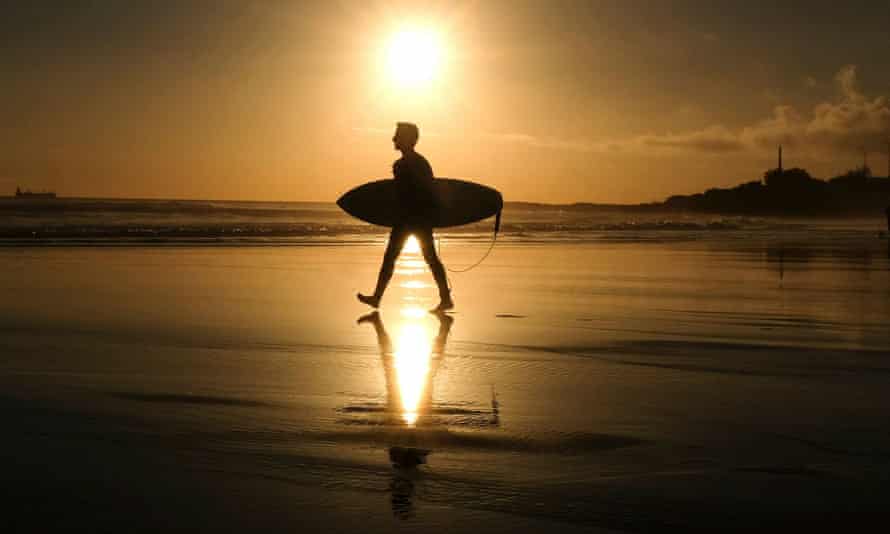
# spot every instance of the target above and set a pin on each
(497, 222)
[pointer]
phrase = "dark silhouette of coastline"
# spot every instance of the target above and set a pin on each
(780, 192)
(793, 192)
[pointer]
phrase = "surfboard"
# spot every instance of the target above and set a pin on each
(458, 202)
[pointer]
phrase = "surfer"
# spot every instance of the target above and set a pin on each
(414, 185)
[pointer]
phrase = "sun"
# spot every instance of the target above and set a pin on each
(413, 57)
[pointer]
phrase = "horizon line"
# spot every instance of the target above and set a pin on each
(173, 199)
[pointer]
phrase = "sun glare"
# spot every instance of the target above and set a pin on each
(411, 246)
(413, 57)
(412, 363)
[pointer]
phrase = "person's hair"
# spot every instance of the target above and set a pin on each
(409, 130)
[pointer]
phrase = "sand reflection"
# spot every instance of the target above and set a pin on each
(412, 365)
(412, 347)
(411, 351)
(410, 359)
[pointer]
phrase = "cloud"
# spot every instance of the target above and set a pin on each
(855, 121)
(577, 145)
(846, 80)
(848, 122)
(786, 127)
(712, 139)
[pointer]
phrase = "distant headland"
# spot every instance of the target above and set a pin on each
(793, 192)
(780, 191)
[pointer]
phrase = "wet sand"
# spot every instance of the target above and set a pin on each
(670, 386)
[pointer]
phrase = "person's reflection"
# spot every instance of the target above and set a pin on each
(410, 365)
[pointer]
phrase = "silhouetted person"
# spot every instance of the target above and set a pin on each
(417, 204)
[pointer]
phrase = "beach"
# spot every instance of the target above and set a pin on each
(656, 384)
(643, 276)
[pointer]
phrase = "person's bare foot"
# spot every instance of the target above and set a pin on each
(371, 300)
(445, 305)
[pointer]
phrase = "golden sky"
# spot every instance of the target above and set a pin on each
(558, 101)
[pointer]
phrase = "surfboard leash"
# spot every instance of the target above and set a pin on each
(497, 227)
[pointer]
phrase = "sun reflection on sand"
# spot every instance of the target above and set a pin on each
(413, 347)
(410, 262)
(412, 354)
(412, 246)
(410, 267)
(411, 359)
(413, 312)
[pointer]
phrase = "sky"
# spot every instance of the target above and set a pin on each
(560, 101)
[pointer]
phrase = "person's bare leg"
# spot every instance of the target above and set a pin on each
(428, 247)
(396, 240)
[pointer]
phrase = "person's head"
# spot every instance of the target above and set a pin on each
(405, 137)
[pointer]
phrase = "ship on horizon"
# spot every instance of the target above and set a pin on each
(33, 194)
